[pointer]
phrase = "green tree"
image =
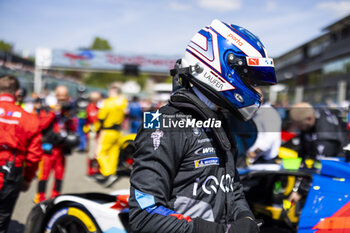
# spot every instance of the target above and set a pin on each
(5, 47)
(100, 44)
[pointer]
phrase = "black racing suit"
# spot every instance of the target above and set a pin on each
(326, 138)
(181, 174)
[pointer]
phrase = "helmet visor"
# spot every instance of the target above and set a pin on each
(260, 71)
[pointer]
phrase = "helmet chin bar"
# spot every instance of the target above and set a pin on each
(249, 111)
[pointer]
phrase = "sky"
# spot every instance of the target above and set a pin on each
(161, 27)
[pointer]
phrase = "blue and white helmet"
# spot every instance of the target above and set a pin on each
(226, 62)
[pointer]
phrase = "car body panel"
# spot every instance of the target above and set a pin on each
(104, 215)
(328, 196)
(98, 206)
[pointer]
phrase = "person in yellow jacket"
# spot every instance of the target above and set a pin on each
(110, 116)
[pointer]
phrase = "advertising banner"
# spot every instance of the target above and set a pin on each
(102, 60)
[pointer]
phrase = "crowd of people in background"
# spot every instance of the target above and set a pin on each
(87, 111)
(99, 122)
(90, 124)
(93, 124)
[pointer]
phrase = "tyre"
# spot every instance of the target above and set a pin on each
(71, 219)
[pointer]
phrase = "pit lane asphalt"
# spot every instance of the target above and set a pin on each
(75, 181)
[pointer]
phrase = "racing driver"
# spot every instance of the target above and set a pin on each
(185, 178)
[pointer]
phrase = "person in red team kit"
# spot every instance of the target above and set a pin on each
(20, 149)
(92, 119)
(56, 126)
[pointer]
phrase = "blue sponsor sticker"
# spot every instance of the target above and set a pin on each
(114, 230)
(206, 162)
(144, 200)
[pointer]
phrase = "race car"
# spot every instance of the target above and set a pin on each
(81, 213)
(324, 207)
(325, 204)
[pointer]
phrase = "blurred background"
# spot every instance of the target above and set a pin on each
(46, 43)
(135, 43)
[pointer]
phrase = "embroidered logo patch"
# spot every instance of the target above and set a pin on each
(206, 162)
(156, 136)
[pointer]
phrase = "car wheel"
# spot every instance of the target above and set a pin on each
(71, 219)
